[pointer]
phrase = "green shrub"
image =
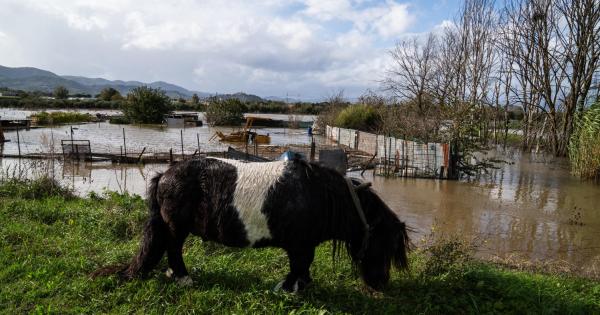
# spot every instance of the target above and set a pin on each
(447, 256)
(119, 120)
(584, 147)
(229, 112)
(146, 105)
(360, 117)
(57, 118)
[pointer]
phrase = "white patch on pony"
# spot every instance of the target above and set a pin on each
(252, 186)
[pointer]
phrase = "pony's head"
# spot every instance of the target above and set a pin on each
(387, 242)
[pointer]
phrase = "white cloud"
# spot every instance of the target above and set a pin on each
(328, 10)
(395, 22)
(267, 46)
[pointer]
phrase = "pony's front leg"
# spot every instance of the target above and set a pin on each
(177, 268)
(299, 276)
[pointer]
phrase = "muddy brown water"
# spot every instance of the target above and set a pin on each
(530, 209)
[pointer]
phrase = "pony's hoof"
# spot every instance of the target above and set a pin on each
(185, 281)
(169, 273)
(296, 288)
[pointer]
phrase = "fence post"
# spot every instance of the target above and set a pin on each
(182, 154)
(18, 142)
(198, 139)
(124, 145)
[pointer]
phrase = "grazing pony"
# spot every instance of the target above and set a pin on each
(294, 205)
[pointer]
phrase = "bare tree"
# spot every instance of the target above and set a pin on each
(466, 59)
(555, 45)
(413, 70)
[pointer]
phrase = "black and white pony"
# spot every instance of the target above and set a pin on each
(294, 205)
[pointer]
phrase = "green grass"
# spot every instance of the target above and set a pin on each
(51, 244)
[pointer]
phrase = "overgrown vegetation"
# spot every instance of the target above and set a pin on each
(228, 112)
(146, 105)
(584, 148)
(57, 118)
(360, 117)
(51, 245)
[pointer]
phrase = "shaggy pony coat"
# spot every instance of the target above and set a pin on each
(294, 205)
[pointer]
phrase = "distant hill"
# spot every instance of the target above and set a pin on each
(33, 79)
(243, 97)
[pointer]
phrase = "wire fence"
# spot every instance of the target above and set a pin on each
(394, 156)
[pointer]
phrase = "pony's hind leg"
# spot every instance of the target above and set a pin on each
(177, 268)
(299, 276)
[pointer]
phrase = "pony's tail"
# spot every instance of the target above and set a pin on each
(402, 248)
(154, 243)
(153, 246)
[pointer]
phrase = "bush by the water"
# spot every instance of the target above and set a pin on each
(119, 120)
(360, 117)
(51, 245)
(146, 105)
(584, 147)
(56, 118)
(228, 112)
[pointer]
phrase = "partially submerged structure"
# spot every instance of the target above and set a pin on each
(246, 135)
(180, 120)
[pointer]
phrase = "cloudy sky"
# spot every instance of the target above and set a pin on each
(303, 48)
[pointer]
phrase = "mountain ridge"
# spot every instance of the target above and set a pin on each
(34, 79)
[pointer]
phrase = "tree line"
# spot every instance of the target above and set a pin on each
(542, 56)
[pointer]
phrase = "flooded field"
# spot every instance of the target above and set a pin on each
(108, 138)
(530, 208)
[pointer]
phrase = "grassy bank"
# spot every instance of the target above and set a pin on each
(52, 241)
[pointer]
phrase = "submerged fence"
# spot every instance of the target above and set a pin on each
(395, 156)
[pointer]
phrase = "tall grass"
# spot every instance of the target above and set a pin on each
(584, 147)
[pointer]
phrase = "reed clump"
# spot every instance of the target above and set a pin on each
(584, 147)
